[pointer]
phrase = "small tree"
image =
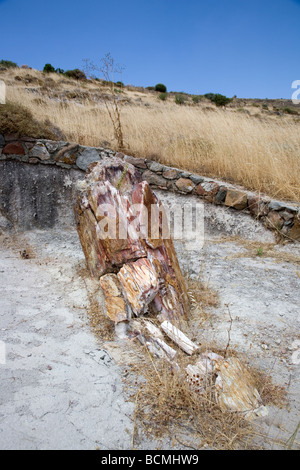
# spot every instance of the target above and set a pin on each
(161, 87)
(49, 69)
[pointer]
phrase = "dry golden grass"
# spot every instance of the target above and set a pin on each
(261, 153)
(166, 406)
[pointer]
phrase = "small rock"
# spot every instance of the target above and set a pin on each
(295, 231)
(14, 148)
(138, 162)
(196, 179)
(185, 185)
(170, 174)
(40, 151)
(274, 221)
(185, 174)
(52, 146)
(276, 205)
(257, 206)
(208, 190)
(87, 157)
(156, 167)
(154, 179)
(221, 195)
(236, 199)
(287, 216)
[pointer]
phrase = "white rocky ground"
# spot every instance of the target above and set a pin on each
(61, 389)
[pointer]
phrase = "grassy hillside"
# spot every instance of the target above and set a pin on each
(255, 143)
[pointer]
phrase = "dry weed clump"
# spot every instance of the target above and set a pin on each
(17, 119)
(99, 322)
(167, 406)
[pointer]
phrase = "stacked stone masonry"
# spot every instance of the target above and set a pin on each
(281, 217)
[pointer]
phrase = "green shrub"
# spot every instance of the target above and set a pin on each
(218, 99)
(180, 99)
(76, 74)
(161, 87)
(49, 69)
(8, 64)
(210, 96)
(16, 119)
(221, 100)
(196, 99)
(163, 96)
(290, 111)
(119, 84)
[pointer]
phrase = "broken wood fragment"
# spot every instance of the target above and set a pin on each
(179, 338)
(235, 390)
(151, 334)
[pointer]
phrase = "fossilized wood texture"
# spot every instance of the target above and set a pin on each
(114, 301)
(140, 284)
(123, 229)
(235, 390)
(233, 384)
(179, 338)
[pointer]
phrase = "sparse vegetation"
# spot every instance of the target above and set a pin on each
(76, 74)
(290, 111)
(197, 99)
(260, 251)
(180, 99)
(16, 119)
(163, 96)
(8, 64)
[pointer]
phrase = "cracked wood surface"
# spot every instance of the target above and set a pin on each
(123, 229)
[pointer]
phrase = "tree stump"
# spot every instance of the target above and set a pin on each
(123, 230)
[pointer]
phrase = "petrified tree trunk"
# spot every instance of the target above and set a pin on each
(123, 229)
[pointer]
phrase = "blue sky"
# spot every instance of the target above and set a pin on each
(246, 48)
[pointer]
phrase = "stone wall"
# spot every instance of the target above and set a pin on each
(279, 216)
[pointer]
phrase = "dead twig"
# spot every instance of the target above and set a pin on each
(229, 331)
